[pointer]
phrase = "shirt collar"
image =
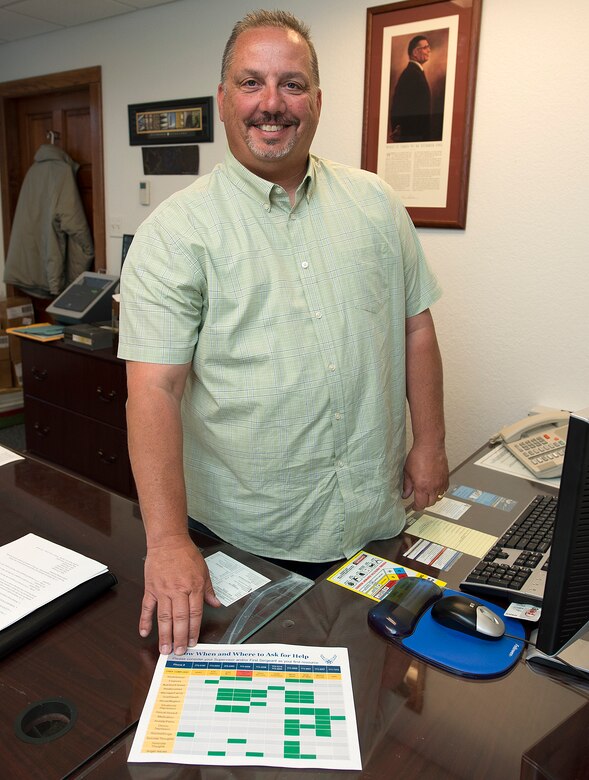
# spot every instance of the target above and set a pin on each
(260, 189)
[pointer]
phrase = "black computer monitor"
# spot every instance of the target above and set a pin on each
(127, 239)
(565, 604)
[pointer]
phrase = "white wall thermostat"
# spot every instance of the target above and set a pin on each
(144, 193)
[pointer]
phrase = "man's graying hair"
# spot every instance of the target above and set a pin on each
(281, 19)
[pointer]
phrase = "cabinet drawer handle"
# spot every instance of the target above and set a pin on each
(41, 430)
(40, 374)
(110, 459)
(106, 397)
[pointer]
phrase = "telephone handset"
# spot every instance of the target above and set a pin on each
(538, 441)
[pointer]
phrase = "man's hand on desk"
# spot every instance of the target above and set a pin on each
(425, 475)
(177, 583)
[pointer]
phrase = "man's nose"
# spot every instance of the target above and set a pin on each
(272, 100)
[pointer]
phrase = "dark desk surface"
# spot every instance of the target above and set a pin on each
(95, 659)
(414, 721)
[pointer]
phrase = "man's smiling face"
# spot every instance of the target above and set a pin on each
(269, 103)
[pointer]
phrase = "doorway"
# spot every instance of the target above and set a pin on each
(66, 109)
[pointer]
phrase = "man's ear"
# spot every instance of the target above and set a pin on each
(220, 99)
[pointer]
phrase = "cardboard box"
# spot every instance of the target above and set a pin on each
(5, 367)
(4, 346)
(16, 374)
(11, 407)
(16, 311)
(14, 347)
(116, 311)
(5, 373)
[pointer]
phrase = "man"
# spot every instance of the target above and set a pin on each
(274, 303)
(411, 106)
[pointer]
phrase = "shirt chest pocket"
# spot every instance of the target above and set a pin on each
(363, 280)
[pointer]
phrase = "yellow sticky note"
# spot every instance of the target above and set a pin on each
(457, 537)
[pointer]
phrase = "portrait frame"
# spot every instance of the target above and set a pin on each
(185, 121)
(430, 172)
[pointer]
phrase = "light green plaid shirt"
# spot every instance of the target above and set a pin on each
(294, 321)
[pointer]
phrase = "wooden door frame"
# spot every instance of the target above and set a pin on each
(10, 92)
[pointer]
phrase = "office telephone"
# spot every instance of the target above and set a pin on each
(538, 441)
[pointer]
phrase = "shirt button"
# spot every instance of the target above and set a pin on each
(340, 464)
(304, 264)
(338, 416)
(331, 366)
(318, 315)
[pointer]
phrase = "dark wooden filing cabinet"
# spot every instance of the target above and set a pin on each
(75, 411)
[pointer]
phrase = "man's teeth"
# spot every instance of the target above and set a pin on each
(271, 128)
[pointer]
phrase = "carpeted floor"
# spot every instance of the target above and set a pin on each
(13, 437)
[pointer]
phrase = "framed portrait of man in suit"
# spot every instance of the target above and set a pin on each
(418, 104)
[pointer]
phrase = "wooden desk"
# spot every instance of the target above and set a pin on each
(95, 659)
(75, 411)
(415, 721)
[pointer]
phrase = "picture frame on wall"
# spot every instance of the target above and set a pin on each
(419, 89)
(185, 121)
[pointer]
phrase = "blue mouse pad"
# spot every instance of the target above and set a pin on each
(463, 654)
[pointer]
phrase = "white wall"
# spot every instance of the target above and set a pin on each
(513, 322)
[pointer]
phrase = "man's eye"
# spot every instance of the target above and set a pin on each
(249, 83)
(293, 86)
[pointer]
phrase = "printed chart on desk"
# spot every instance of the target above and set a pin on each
(270, 705)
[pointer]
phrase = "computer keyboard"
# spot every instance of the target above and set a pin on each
(515, 567)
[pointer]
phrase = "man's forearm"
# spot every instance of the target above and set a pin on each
(155, 449)
(425, 392)
(426, 466)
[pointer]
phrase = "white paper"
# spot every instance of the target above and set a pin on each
(501, 459)
(34, 571)
(449, 507)
(8, 456)
(231, 579)
(251, 705)
(530, 612)
(432, 554)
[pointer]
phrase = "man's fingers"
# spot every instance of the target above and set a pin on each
(175, 625)
(209, 594)
(179, 625)
(420, 500)
(196, 609)
(407, 485)
(195, 619)
(165, 625)
(148, 606)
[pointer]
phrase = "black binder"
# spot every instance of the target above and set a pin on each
(30, 626)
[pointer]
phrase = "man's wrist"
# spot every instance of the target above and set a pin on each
(431, 442)
(168, 541)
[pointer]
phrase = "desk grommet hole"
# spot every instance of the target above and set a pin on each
(45, 721)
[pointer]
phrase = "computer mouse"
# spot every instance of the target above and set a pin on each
(461, 613)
